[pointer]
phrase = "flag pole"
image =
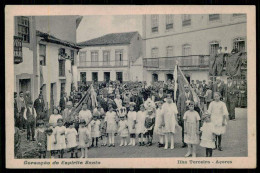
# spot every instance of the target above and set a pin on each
(195, 97)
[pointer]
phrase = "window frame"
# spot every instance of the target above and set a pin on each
(215, 42)
(183, 48)
(186, 22)
(154, 23)
(213, 19)
(94, 60)
(42, 55)
(119, 62)
(25, 28)
(169, 21)
(107, 62)
(167, 53)
(242, 39)
(152, 53)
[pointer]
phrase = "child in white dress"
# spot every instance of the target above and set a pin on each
(169, 123)
(140, 120)
(95, 128)
(123, 130)
(84, 139)
(191, 129)
(158, 129)
(50, 140)
(219, 116)
(59, 134)
(85, 115)
(118, 101)
(110, 120)
(71, 139)
(131, 120)
(54, 117)
(208, 135)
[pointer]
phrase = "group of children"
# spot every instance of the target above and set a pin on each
(158, 117)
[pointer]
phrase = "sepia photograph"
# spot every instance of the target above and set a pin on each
(147, 85)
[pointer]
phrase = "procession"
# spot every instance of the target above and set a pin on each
(135, 102)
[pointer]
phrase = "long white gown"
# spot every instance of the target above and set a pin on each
(169, 111)
(218, 110)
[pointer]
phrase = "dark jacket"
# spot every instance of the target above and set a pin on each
(39, 106)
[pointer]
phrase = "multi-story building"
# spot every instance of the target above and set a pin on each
(47, 56)
(188, 39)
(116, 56)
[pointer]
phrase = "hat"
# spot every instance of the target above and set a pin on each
(82, 122)
(159, 102)
(40, 122)
(132, 104)
(95, 114)
(121, 112)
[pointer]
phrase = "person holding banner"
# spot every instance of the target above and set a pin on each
(182, 104)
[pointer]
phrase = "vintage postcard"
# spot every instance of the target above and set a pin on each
(130, 86)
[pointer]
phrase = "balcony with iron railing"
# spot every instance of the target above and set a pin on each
(103, 64)
(197, 61)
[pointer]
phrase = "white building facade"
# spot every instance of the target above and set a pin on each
(47, 63)
(188, 39)
(111, 57)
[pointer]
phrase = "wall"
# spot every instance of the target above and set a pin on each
(135, 48)
(198, 35)
(55, 24)
(102, 69)
(136, 70)
(100, 50)
(51, 71)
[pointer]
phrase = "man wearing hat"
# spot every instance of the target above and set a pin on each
(231, 98)
(137, 100)
(39, 106)
(182, 105)
(30, 119)
(219, 87)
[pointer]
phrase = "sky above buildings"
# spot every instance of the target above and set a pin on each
(96, 26)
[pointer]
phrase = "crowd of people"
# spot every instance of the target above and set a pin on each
(131, 111)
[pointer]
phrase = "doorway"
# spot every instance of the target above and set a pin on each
(119, 76)
(106, 76)
(52, 98)
(169, 76)
(155, 77)
(94, 76)
(25, 85)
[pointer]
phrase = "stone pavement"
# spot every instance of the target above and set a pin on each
(234, 144)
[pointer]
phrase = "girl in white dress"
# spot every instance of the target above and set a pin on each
(59, 134)
(110, 120)
(71, 139)
(95, 128)
(140, 119)
(208, 135)
(123, 130)
(158, 124)
(50, 140)
(85, 115)
(54, 117)
(191, 129)
(131, 121)
(219, 116)
(118, 101)
(84, 139)
(169, 113)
